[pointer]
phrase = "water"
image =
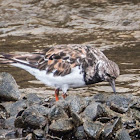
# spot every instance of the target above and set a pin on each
(113, 27)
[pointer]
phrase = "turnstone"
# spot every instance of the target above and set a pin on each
(67, 66)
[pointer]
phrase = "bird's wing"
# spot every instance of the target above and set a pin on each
(59, 59)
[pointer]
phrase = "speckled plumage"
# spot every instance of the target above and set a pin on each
(61, 61)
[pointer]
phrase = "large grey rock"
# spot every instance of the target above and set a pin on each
(62, 125)
(32, 118)
(120, 103)
(93, 111)
(8, 87)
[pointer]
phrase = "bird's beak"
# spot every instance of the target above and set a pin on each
(112, 83)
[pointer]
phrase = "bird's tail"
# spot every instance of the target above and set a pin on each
(11, 58)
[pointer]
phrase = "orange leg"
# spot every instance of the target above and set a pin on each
(64, 95)
(56, 94)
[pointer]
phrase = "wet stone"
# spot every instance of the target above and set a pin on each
(56, 113)
(93, 111)
(122, 135)
(8, 87)
(61, 125)
(76, 103)
(120, 103)
(93, 129)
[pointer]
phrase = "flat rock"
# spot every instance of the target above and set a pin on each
(80, 133)
(8, 87)
(62, 125)
(120, 103)
(93, 129)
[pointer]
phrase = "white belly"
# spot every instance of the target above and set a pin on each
(74, 79)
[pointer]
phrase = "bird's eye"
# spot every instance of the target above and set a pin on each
(108, 75)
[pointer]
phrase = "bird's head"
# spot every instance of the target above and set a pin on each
(109, 71)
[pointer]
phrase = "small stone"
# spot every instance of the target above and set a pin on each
(29, 137)
(8, 87)
(38, 134)
(122, 135)
(61, 125)
(56, 113)
(93, 129)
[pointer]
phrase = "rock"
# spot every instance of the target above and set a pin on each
(38, 134)
(9, 123)
(61, 125)
(80, 133)
(110, 128)
(32, 98)
(120, 103)
(63, 104)
(122, 135)
(93, 129)
(136, 114)
(41, 109)
(29, 137)
(76, 118)
(8, 87)
(102, 98)
(19, 122)
(135, 133)
(76, 103)
(32, 118)
(56, 113)
(17, 107)
(128, 122)
(93, 111)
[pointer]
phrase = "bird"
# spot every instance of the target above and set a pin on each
(67, 66)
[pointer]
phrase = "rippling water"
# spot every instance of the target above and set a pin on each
(114, 28)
